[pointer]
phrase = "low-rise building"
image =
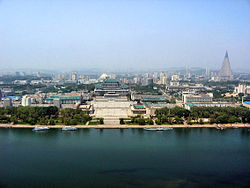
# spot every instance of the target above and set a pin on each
(148, 98)
(190, 98)
(64, 99)
(138, 109)
(152, 107)
(188, 106)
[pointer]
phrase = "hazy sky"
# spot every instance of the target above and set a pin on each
(122, 35)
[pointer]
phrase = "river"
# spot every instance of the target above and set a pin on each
(197, 157)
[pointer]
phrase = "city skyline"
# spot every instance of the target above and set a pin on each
(121, 36)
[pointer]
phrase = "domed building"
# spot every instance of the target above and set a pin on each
(103, 77)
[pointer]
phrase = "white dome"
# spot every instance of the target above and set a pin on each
(103, 76)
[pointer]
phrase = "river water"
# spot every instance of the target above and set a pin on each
(198, 157)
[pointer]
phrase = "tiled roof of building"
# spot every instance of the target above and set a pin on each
(138, 106)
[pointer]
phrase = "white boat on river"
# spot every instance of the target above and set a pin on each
(158, 129)
(69, 128)
(40, 128)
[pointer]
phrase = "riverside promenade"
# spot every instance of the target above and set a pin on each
(105, 126)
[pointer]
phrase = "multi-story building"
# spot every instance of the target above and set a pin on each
(163, 79)
(7, 102)
(26, 101)
(190, 98)
(242, 88)
(226, 71)
(64, 99)
(175, 77)
(7, 91)
(136, 80)
(74, 76)
(208, 104)
(111, 86)
(113, 76)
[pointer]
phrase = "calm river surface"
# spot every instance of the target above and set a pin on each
(125, 158)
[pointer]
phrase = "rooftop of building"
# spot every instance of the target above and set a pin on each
(247, 102)
(68, 95)
(110, 81)
(200, 96)
(153, 99)
(139, 106)
(12, 97)
(64, 97)
(207, 103)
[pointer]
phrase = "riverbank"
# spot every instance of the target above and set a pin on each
(217, 126)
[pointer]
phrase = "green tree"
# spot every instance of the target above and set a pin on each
(52, 122)
(141, 121)
(101, 121)
(73, 122)
(122, 121)
(150, 122)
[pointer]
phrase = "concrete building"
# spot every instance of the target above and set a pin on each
(242, 88)
(152, 107)
(137, 80)
(103, 77)
(226, 71)
(111, 86)
(111, 108)
(175, 77)
(88, 108)
(138, 109)
(7, 92)
(174, 83)
(7, 102)
(20, 82)
(188, 106)
(113, 76)
(64, 99)
(163, 80)
(74, 76)
(148, 98)
(57, 102)
(191, 98)
(149, 82)
(26, 101)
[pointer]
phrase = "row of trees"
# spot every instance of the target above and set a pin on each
(221, 114)
(71, 116)
(178, 115)
(137, 120)
(43, 115)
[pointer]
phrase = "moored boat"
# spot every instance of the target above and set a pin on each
(158, 129)
(69, 128)
(40, 128)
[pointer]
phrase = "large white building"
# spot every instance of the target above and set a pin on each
(26, 101)
(242, 88)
